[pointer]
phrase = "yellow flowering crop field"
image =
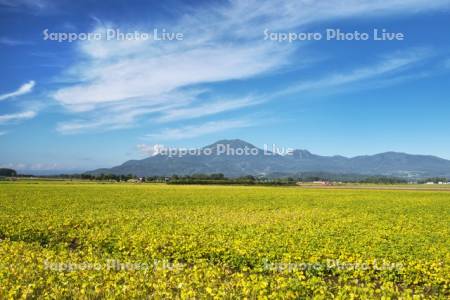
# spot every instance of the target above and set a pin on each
(66, 240)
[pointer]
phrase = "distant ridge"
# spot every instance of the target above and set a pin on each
(261, 162)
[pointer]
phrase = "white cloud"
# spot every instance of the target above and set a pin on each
(148, 78)
(22, 90)
(206, 109)
(26, 4)
(3, 133)
(387, 67)
(112, 117)
(192, 131)
(25, 115)
(120, 82)
(12, 42)
(33, 166)
(150, 150)
(447, 63)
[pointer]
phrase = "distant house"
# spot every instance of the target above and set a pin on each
(133, 180)
(430, 182)
(322, 182)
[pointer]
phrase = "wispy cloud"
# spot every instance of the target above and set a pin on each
(207, 109)
(33, 5)
(147, 78)
(124, 81)
(149, 150)
(447, 63)
(15, 117)
(192, 131)
(13, 42)
(3, 133)
(34, 166)
(112, 118)
(386, 67)
(22, 90)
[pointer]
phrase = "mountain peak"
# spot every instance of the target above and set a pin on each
(302, 154)
(232, 143)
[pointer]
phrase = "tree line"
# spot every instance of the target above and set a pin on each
(219, 178)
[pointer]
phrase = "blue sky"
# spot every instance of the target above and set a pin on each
(97, 103)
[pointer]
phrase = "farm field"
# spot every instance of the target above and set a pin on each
(89, 240)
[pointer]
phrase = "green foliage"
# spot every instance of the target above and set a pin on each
(7, 172)
(58, 240)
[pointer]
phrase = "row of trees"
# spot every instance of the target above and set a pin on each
(5, 172)
(219, 178)
(101, 177)
(109, 177)
(307, 177)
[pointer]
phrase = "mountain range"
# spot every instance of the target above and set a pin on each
(258, 162)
